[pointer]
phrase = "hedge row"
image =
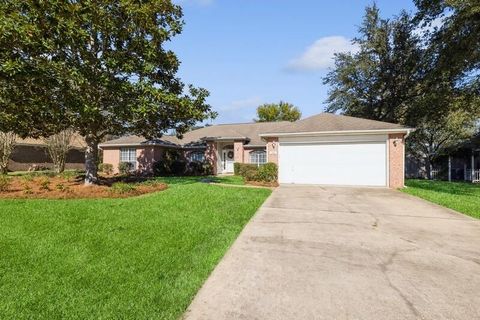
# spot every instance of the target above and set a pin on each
(267, 172)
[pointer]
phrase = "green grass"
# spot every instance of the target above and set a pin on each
(459, 196)
(134, 258)
(236, 180)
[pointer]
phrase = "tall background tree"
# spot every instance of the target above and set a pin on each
(7, 144)
(282, 111)
(58, 146)
(99, 67)
(400, 75)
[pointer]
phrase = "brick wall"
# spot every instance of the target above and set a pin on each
(272, 150)
(396, 158)
(23, 157)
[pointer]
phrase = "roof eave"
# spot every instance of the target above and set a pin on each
(341, 132)
(116, 145)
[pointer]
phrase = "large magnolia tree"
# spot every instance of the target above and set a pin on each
(99, 67)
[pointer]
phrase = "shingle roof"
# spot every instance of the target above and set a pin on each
(252, 132)
(77, 142)
(329, 122)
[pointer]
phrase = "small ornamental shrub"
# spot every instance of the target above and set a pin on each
(207, 168)
(4, 182)
(69, 175)
(27, 189)
(45, 184)
(61, 187)
(106, 168)
(125, 168)
(267, 173)
(122, 188)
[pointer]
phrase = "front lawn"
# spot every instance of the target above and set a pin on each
(135, 258)
(459, 196)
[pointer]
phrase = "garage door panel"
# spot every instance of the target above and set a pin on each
(362, 164)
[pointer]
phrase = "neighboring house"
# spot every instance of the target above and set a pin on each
(30, 153)
(323, 149)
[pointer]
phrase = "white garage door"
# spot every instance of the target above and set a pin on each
(357, 164)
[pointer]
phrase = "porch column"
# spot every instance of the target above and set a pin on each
(211, 155)
(473, 165)
(238, 151)
(449, 168)
(272, 150)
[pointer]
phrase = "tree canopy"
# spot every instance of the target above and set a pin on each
(406, 71)
(99, 67)
(282, 111)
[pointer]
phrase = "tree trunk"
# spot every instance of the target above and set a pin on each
(429, 169)
(91, 156)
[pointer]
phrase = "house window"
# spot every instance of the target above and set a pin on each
(258, 157)
(129, 155)
(197, 156)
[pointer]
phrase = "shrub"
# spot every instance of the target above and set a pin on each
(194, 168)
(207, 168)
(159, 169)
(264, 173)
(236, 168)
(106, 168)
(45, 184)
(122, 187)
(178, 167)
(70, 174)
(27, 189)
(125, 167)
(267, 172)
(247, 170)
(4, 182)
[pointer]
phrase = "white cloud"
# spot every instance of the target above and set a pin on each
(242, 104)
(243, 110)
(319, 55)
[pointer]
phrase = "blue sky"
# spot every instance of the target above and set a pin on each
(249, 52)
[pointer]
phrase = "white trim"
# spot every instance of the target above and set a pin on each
(345, 132)
(387, 149)
(329, 142)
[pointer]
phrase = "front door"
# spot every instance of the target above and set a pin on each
(227, 161)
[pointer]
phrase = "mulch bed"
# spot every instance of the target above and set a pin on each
(263, 184)
(43, 187)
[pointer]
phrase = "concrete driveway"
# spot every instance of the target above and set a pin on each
(313, 252)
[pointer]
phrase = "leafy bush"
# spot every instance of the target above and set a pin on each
(106, 168)
(267, 172)
(207, 168)
(236, 168)
(194, 168)
(4, 182)
(122, 188)
(125, 167)
(178, 167)
(247, 170)
(174, 164)
(264, 173)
